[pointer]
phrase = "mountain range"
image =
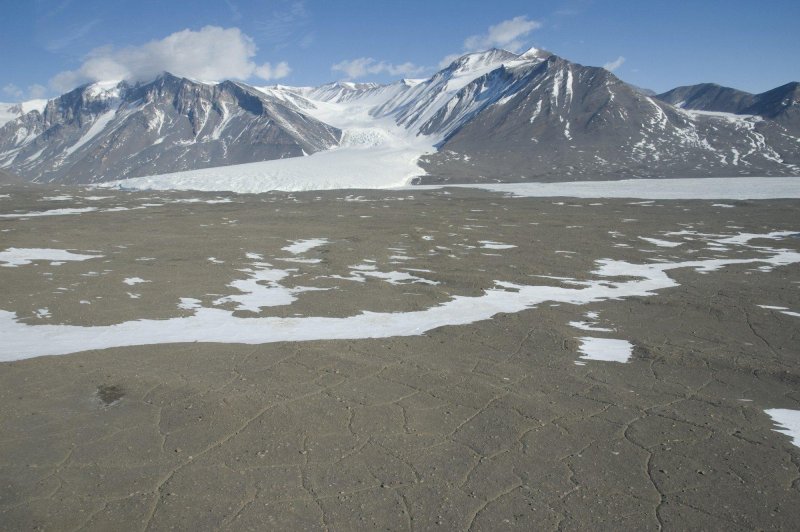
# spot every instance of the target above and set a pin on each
(488, 116)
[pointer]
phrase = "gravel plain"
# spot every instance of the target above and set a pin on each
(505, 422)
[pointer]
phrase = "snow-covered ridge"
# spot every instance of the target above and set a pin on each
(730, 117)
(12, 111)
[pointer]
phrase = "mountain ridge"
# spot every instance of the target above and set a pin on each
(781, 103)
(491, 115)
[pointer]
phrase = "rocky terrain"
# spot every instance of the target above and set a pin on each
(405, 360)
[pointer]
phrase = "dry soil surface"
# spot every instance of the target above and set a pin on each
(492, 418)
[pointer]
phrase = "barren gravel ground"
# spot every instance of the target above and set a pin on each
(490, 424)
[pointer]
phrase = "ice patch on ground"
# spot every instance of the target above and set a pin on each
(62, 197)
(262, 288)
(488, 244)
(360, 272)
(788, 421)
(52, 212)
(605, 349)
(13, 257)
(733, 188)
(589, 326)
(298, 260)
(301, 246)
(661, 243)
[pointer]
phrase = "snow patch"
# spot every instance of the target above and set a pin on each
(661, 243)
(96, 128)
(52, 212)
(788, 421)
(605, 349)
(13, 257)
(488, 244)
(262, 288)
(206, 324)
(301, 246)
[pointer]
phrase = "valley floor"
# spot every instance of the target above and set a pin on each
(408, 359)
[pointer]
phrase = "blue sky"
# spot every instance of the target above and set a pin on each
(52, 45)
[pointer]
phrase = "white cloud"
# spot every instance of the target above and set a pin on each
(211, 53)
(267, 71)
(446, 60)
(34, 92)
(615, 64)
(363, 66)
(37, 91)
(12, 90)
(508, 34)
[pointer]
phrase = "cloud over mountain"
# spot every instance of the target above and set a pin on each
(509, 35)
(211, 53)
(363, 66)
(611, 66)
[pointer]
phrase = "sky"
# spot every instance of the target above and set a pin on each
(51, 46)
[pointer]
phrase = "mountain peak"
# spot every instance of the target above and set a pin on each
(412, 82)
(535, 53)
(479, 60)
(103, 90)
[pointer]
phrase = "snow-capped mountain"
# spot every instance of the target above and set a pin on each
(113, 130)
(556, 119)
(492, 115)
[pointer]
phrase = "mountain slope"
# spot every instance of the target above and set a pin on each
(781, 104)
(112, 131)
(708, 97)
(559, 120)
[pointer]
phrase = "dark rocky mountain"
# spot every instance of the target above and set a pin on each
(781, 104)
(558, 120)
(112, 131)
(708, 97)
